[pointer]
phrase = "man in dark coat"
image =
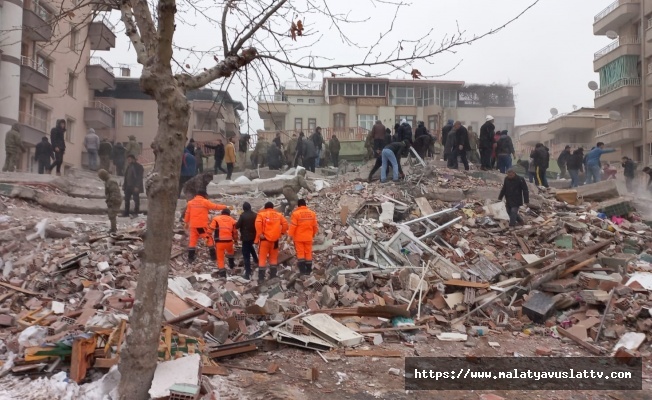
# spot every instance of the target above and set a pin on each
(309, 153)
(458, 144)
(105, 151)
(486, 142)
(575, 165)
(504, 152)
(119, 158)
(298, 155)
(388, 137)
(277, 140)
(43, 154)
(405, 132)
(562, 161)
(334, 150)
(630, 172)
(541, 157)
(648, 172)
(247, 226)
(378, 134)
(58, 139)
(219, 155)
(444, 136)
(133, 184)
(274, 157)
(318, 140)
(516, 193)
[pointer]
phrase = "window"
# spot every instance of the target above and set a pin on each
(299, 100)
(426, 96)
(312, 124)
(44, 66)
(447, 98)
(41, 118)
(366, 121)
(358, 89)
(74, 39)
(70, 129)
(132, 118)
(70, 90)
(339, 120)
(298, 124)
(432, 123)
(311, 101)
(401, 96)
(408, 118)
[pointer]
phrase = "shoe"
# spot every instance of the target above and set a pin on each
(261, 274)
(385, 181)
(272, 272)
(247, 275)
(191, 255)
(302, 267)
(308, 267)
(221, 273)
(124, 215)
(231, 262)
(212, 253)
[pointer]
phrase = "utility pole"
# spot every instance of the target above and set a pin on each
(645, 152)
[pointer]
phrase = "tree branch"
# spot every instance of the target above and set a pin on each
(131, 30)
(224, 38)
(167, 9)
(236, 48)
(145, 23)
(223, 69)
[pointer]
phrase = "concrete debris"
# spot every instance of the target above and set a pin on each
(431, 257)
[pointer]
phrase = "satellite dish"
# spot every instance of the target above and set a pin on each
(615, 115)
(574, 107)
(612, 34)
(553, 111)
(593, 85)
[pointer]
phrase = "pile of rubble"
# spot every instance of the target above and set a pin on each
(433, 258)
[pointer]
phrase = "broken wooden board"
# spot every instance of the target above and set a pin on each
(327, 328)
(373, 353)
(424, 206)
(468, 284)
(588, 346)
(214, 370)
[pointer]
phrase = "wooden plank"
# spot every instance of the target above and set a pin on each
(206, 309)
(395, 329)
(459, 282)
(236, 350)
(522, 244)
(593, 349)
(214, 370)
(16, 288)
(373, 353)
(106, 363)
(576, 267)
(424, 206)
(168, 342)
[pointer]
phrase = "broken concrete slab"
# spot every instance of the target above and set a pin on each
(184, 370)
(600, 191)
(327, 328)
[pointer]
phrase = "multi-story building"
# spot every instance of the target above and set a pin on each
(47, 72)
(349, 107)
(214, 114)
(576, 129)
(625, 68)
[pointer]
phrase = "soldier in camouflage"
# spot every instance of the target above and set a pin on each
(113, 197)
(196, 184)
(13, 148)
(290, 189)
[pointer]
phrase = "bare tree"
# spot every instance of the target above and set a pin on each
(254, 39)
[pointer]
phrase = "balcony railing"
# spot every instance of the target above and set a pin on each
(522, 130)
(610, 8)
(41, 11)
(617, 85)
(33, 121)
(105, 20)
(100, 105)
(616, 126)
(272, 98)
(101, 62)
(557, 116)
(34, 65)
(294, 85)
(615, 44)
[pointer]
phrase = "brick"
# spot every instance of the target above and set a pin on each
(328, 299)
(6, 320)
(543, 351)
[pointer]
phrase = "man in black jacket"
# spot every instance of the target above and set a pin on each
(318, 140)
(58, 138)
(575, 165)
(458, 146)
(391, 154)
(516, 194)
(219, 155)
(648, 171)
(541, 157)
(504, 152)
(444, 137)
(133, 184)
(629, 172)
(486, 142)
(118, 157)
(247, 226)
(274, 157)
(43, 155)
(562, 161)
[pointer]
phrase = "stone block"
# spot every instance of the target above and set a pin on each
(539, 307)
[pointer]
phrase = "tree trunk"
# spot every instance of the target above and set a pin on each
(138, 360)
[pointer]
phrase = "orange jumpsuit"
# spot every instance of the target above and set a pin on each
(303, 228)
(197, 220)
(272, 225)
(225, 234)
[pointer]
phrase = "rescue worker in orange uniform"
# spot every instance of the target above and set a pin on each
(270, 226)
(225, 235)
(303, 229)
(196, 219)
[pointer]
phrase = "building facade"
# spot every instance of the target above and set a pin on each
(349, 107)
(214, 115)
(49, 71)
(625, 68)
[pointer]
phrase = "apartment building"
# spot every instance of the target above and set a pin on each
(214, 114)
(349, 107)
(625, 68)
(50, 70)
(576, 129)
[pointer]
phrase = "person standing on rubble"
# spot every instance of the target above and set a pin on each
(303, 229)
(188, 167)
(562, 161)
(575, 165)
(219, 155)
(119, 158)
(113, 198)
(291, 150)
(505, 152)
(274, 157)
(199, 158)
(13, 148)
(229, 158)
(277, 140)
(378, 133)
(472, 155)
(58, 139)
(541, 158)
(43, 154)
(92, 145)
(198, 183)
(318, 140)
(133, 185)
(223, 227)
(105, 152)
(298, 156)
(486, 142)
(247, 226)
(458, 144)
(516, 193)
(593, 162)
(334, 149)
(309, 153)
(629, 167)
(196, 221)
(648, 171)
(392, 154)
(270, 226)
(444, 136)
(133, 147)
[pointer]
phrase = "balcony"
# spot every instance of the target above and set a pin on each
(98, 115)
(270, 106)
(531, 134)
(620, 92)
(34, 78)
(623, 46)
(32, 128)
(36, 23)
(615, 15)
(99, 74)
(620, 132)
(570, 124)
(101, 34)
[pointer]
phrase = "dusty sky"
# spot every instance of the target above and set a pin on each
(546, 55)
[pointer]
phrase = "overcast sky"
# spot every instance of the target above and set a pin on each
(547, 54)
